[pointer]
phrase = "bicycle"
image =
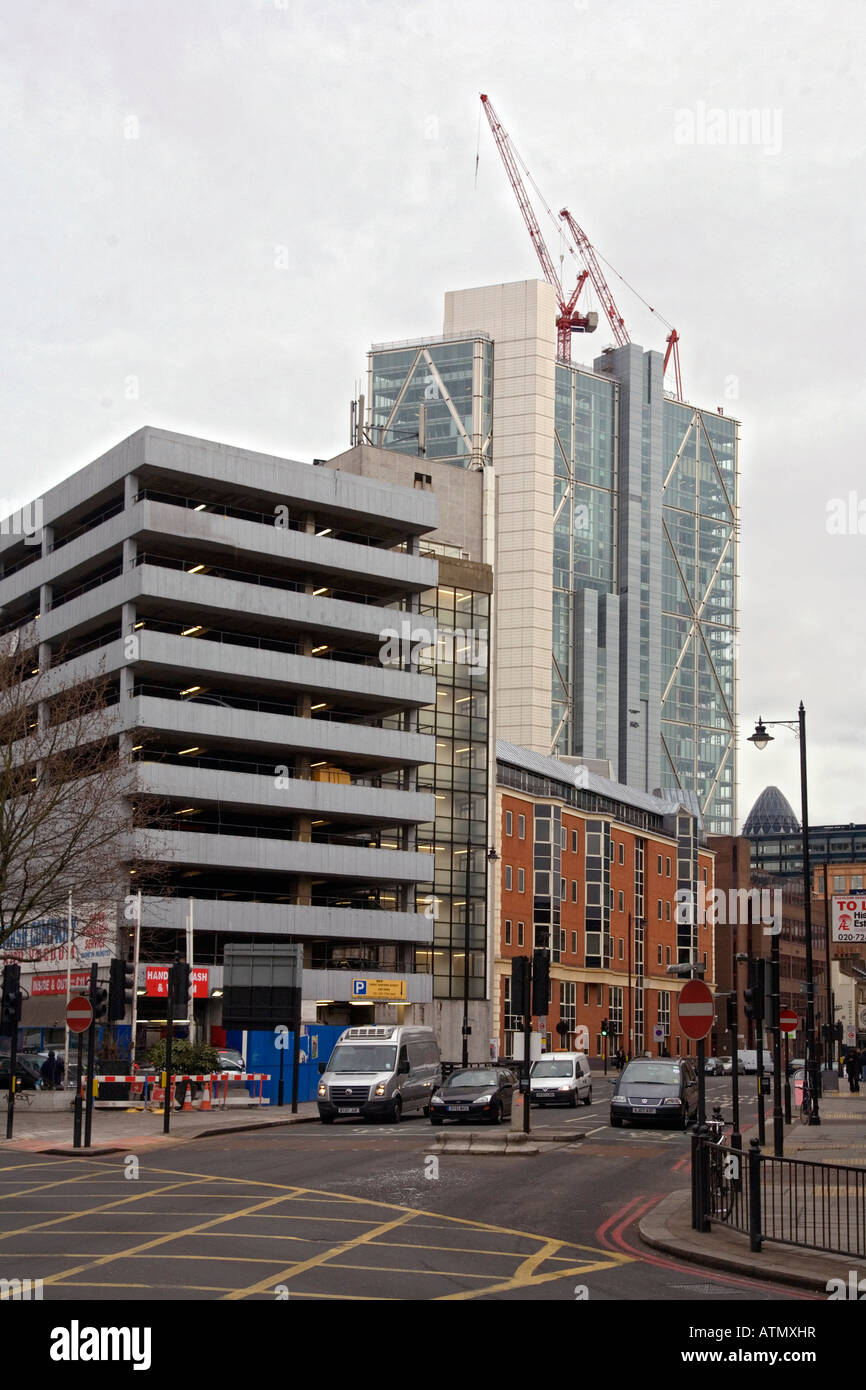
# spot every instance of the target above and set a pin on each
(721, 1182)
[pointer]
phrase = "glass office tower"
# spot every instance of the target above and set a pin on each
(641, 607)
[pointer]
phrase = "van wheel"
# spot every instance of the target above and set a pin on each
(327, 1119)
(588, 1100)
(615, 1122)
(397, 1113)
(573, 1101)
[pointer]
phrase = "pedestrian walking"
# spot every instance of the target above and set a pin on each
(58, 1072)
(852, 1067)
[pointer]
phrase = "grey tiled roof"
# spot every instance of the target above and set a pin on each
(662, 803)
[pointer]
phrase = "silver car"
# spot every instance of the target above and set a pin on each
(727, 1066)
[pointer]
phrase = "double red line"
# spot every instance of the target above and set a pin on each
(611, 1235)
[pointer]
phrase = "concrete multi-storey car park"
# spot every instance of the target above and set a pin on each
(235, 603)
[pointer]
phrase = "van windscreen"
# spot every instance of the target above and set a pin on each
(356, 1057)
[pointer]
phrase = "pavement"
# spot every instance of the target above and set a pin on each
(114, 1131)
(839, 1139)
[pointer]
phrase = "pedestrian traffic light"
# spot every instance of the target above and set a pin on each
(10, 1002)
(121, 987)
(540, 983)
(179, 988)
(520, 986)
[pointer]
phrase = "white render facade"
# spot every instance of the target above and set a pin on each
(235, 604)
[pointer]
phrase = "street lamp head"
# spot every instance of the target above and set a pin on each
(760, 737)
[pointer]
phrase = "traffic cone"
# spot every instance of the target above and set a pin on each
(205, 1099)
(187, 1097)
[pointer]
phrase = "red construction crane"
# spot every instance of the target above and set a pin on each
(602, 289)
(568, 320)
(673, 342)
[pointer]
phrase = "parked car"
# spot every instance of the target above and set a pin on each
(561, 1078)
(26, 1070)
(379, 1071)
(728, 1065)
(663, 1089)
(713, 1066)
(478, 1093)
(229, 1059)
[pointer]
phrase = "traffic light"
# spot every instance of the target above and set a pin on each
(179, 988)
(520, 986)
(604, 1028)
(753, 995)
(99, 1002)
(121, 986)
(540, 983)
(10, 1003)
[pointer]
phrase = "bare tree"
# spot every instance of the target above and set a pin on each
(68, 808)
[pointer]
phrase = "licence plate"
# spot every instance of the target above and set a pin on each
(458, 1107)
(644, 1110)
(349, 1109)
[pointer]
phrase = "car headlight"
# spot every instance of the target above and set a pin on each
(380, 1089)
(482, 1100)
(437, 1099)
(323, 1090)
(618, 1100)
(671, 1100)
(563, 1088)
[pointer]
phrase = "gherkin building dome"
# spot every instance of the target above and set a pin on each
(771, 815)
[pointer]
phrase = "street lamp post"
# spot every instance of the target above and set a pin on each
(760, 738)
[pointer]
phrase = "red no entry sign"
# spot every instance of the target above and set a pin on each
(789, 1022)
(79, 1014)
(695, 1009)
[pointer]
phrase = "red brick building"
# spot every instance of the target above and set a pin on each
(589, 870)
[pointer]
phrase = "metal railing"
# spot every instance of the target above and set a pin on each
(790, 1201)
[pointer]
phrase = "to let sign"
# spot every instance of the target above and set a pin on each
(695, 1009)
(849, 918)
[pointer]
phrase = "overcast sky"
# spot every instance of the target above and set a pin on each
(211, 209)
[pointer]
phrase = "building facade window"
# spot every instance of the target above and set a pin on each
(508, 878)
(521, 827)
(568, 1004)
(520, 933)
(508, 933)
(521, 881)
(509, 822)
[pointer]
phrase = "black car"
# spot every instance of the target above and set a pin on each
(26, 1069)
(479, 1093)
(655, 1090)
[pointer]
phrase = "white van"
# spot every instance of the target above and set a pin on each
(749, 1060)
(380, 1071)
(561, 1078)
